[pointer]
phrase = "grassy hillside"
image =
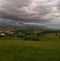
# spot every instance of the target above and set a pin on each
(20, 50)
(29, 45)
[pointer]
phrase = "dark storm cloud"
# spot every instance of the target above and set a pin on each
(30, 10)
(12, 8)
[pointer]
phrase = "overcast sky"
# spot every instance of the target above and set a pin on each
(44, 12)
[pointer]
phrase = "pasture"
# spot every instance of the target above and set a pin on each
(20, 50)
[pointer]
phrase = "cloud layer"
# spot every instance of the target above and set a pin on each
(36, 11)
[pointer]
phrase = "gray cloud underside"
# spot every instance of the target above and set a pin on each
(36, 11)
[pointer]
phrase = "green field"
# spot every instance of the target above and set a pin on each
(29, 45)
(20, 50)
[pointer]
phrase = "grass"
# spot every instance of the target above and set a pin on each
(50, 37)
(20, 50)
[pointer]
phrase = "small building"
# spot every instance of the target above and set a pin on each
(1, 31)
(10, 33)
(2, 34)
(6, 31)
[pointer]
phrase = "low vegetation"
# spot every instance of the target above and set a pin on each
(32, 35)
(20, 50)
(30, 45)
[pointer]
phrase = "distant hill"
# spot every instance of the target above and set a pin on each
(21, 25)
